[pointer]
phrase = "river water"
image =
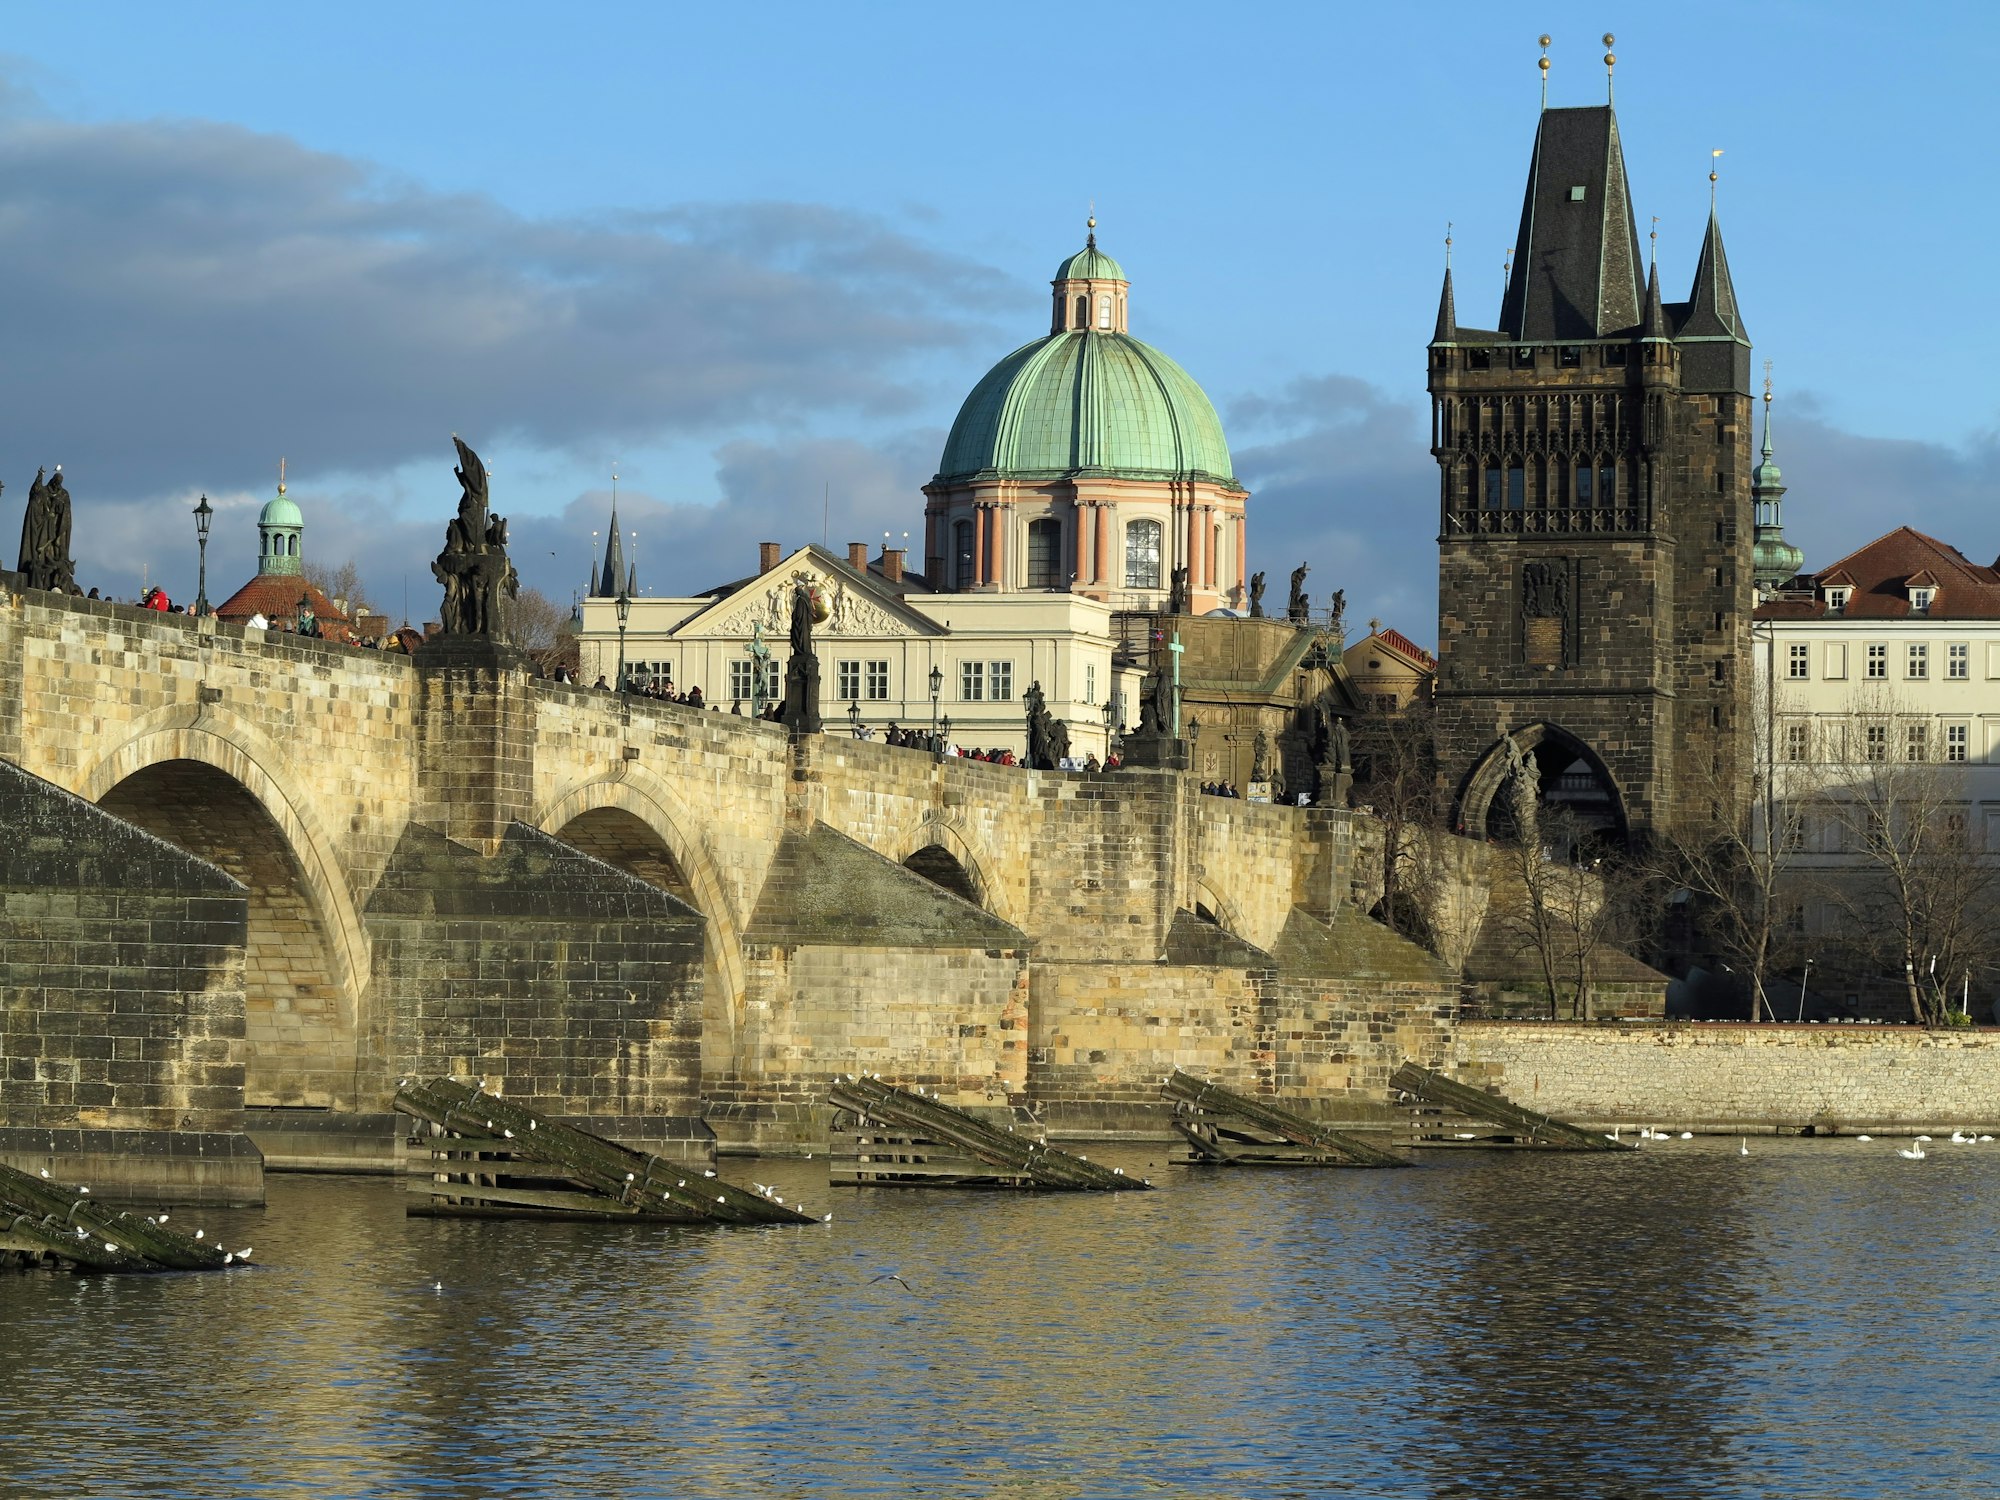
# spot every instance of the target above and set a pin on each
(1815, 1319)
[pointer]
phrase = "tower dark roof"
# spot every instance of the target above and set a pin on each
(1711, 306)
(1447, 325)
(1576, 258)
(1655, 326)
(612, 579)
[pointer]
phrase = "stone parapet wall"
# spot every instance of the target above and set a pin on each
(1736, 1075)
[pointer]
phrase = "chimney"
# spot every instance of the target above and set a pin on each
(767, 557)
(892, 563)
(857, 556)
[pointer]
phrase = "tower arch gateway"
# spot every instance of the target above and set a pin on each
(1569, 775)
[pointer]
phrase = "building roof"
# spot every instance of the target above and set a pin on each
(275, 596)
(1087, 401)
(1576, 257)
(1090, 264)
(1881, 575)
(280, 510)
(1406, 648)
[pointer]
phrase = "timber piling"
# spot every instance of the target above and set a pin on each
(1443, 1112)
(1225, 1128)
(42, 1222)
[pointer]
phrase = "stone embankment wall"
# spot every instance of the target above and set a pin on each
(1738, 1076)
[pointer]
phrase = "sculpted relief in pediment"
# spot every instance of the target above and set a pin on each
(768, 602)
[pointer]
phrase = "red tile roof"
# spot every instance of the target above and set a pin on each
(1881, 575)
(275, 596)
(1403, 646)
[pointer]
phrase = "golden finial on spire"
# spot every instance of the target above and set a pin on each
(1712, 175)
(1610, 62)
(281, 475)
(1447, 244)
(1090, 224)
(1506, 272)
(1767, 388)
(1653, 249)
(1544, 66)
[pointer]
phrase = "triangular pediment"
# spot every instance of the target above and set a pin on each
(857, 604)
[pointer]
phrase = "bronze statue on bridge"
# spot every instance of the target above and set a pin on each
(479, 580)
(45, 560)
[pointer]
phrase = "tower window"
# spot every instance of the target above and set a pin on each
(961, 554)
(1044, 554)
(1517, 486)
(1479, 359)
(1082, 313)
(1492, 497)
(1104, 312)
(1576, 195)
(1524, 359)
(1585, 488)
(1142, 554)
(1571, 356)
(1614, 355)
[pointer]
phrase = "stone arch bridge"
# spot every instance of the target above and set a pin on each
(250, 869)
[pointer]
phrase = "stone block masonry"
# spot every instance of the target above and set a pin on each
(1681, 1076)
(121, 972)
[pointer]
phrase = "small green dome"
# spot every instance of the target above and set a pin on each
(1081, 400)
(1090, 264)
(280, 511)
(1767, 475)
(1773, 561)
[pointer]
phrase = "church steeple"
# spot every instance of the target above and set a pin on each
(1775, 559)
(612, 575)
(1712, 303)
(1655, 326)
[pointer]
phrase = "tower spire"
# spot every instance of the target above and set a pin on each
(613, 572)
(1773, 559)
(1544, 66)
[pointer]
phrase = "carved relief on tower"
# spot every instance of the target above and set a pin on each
(1548, 612)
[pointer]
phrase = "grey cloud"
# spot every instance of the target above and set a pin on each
(1343, 478)
(189, 298)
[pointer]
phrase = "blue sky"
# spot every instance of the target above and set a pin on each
(757, 257)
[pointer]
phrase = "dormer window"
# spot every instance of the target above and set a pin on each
(1836, 600)
(1920, 601)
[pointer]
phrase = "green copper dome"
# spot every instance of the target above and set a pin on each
(1090, 264)
(1087, 401)
(280, 511)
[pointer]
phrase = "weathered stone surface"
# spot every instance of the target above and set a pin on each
(121, 972)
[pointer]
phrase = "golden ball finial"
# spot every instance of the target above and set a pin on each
(1544, 66)
(1545, 39)
(1609, 39)
(1091, 222)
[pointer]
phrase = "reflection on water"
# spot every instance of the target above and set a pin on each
(1810, 1320)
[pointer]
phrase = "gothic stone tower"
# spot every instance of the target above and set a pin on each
(1594, 564)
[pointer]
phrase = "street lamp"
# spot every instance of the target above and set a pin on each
(1112, 726)
(1802, 989)
(944, 735)
(937, 687)
(203, 513)
(624, 607)
(854, 717)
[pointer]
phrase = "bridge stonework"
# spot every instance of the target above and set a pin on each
(624, 908)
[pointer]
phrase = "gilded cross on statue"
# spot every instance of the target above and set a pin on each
(1177, 648)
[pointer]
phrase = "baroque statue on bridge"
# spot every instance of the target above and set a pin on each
(801, 709)
(45, 559)
(479, 581)
(1256, 596)
(1296, 610)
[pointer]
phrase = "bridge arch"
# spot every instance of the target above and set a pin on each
(1212, 904)
(1597, 799)
(945, 854)
(633, 820)
(214, 785)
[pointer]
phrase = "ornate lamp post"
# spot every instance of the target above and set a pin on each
(1111, 724)
(854, 718)
(624, 607)
(203, 513)
(937, 687)
(944, 734)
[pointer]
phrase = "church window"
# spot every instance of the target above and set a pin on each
(1045, 554)
(1082, 313)
(1607, 490)
(1584, 487)
(1104, 312)
(1878, 660)
(1958, 659)
(1797, 663)
(1919, 664)
(1142, 555)
(878, 681)
(1492, 500)
(961, 554)
(1517, 486)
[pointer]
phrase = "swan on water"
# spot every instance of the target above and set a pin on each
(1914, 1153)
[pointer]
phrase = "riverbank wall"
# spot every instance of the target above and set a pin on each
(1735, 1076)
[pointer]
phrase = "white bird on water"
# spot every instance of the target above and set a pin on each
(1914, 1153)
(1864, 1137)
(1742, 1148)
(1687, 1135)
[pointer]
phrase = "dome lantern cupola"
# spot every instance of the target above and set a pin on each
(1774, 560)
(280, 529)
(1090, 291)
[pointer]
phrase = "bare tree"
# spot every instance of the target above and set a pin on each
(342, 583)
(542, 629)
(1395, 763)
(1918, 895)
